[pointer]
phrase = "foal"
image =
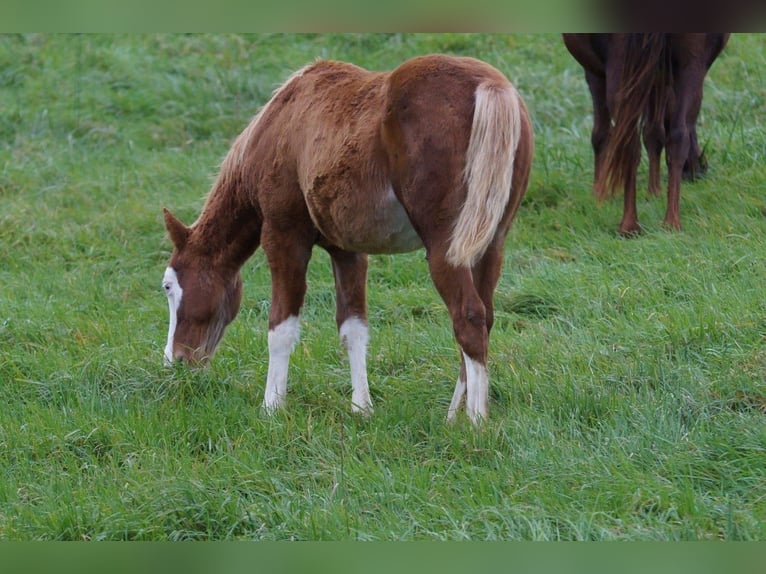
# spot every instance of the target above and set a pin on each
(434, 154)
(648, 82)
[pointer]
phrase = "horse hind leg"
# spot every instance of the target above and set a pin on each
(627, 163)
(458, 397)
(653, 145)
(486, 274)
(469, 322)
(629, 225)
(654, 138)
(601, 127)
(696, 164)
(350, 272)
(688, 87)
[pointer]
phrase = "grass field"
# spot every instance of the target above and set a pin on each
(627, 397)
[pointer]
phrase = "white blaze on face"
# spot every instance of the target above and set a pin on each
(173, 290)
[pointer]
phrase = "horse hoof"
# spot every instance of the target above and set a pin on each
(630, 231)
(672, 225)
(271, 409)
(364, 411)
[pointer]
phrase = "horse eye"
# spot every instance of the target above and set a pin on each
(166, 287)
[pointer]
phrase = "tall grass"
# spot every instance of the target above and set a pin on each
(627, 397)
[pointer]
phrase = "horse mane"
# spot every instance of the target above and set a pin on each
(235, 170)
(644, 78)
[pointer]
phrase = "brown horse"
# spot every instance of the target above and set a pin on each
(649, 83)
(434, 154)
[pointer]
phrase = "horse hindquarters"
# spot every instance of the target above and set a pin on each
(429, 177)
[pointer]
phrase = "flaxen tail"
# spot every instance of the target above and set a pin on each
(488, 171)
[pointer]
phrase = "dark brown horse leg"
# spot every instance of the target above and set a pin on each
(678, 149)
(469, 322)
(629, 226)
(687, 87)
(654, 136)
(350, 271)
(696, 164)
(601, 125)
(288, 255)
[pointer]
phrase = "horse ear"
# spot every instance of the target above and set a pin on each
(177, 231)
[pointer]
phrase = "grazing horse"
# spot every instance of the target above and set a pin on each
(649, 83)
(434, 154)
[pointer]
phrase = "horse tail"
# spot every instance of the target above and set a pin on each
(642, 79)
(488, 174)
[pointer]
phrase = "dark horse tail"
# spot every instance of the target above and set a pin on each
(643, 79)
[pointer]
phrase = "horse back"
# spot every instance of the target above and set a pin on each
(348, 149)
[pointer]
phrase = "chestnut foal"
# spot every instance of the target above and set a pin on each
(434, 154)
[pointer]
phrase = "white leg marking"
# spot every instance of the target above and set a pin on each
(173, 290)
(477, 387)
(282, 339)
(354, 334)
(457, 399)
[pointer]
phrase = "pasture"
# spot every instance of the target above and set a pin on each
(627, 397)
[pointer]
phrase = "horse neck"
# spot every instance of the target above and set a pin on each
(228, 230)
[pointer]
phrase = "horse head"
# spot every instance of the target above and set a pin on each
(202, 299)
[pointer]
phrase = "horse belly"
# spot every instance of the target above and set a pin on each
(391, 230)
(366, 224)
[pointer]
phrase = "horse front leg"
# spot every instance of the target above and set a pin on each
(288, 256)
(350, 272)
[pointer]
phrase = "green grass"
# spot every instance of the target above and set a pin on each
(627, 397)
